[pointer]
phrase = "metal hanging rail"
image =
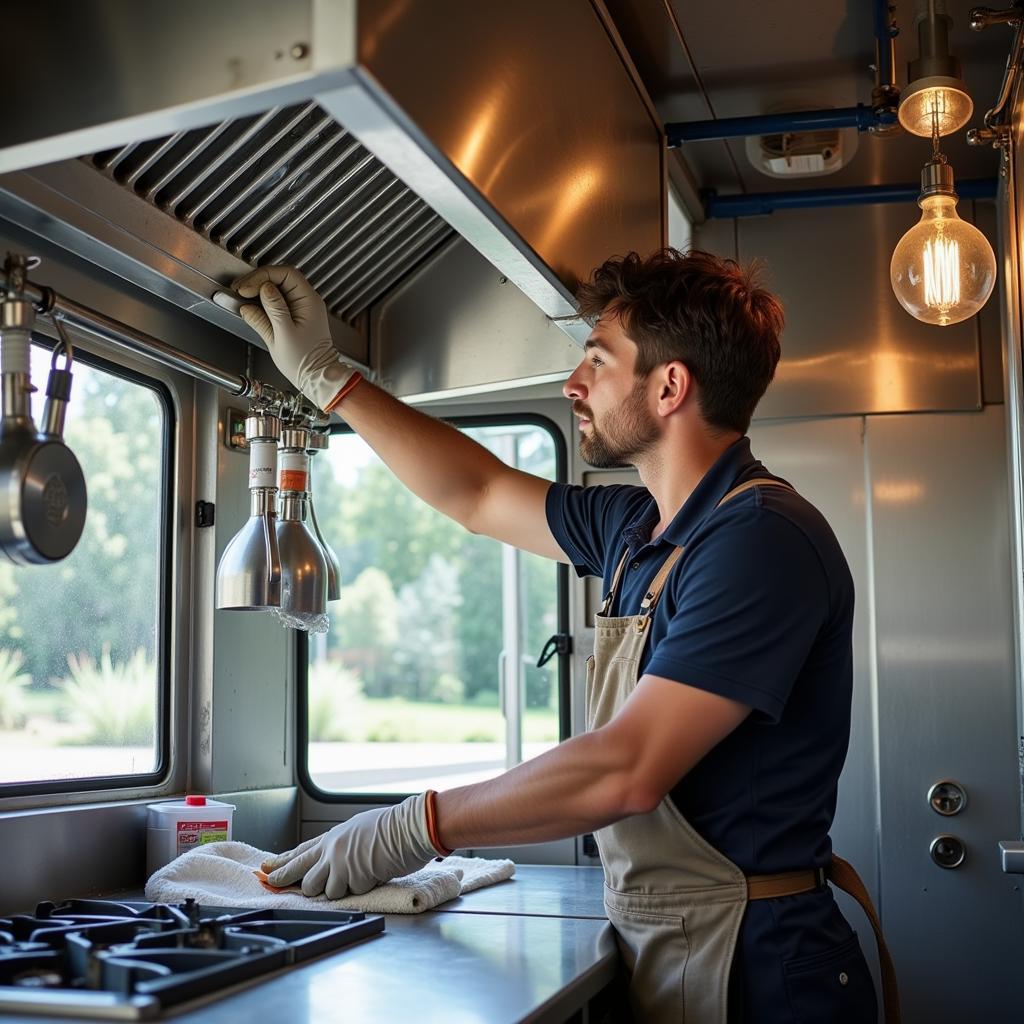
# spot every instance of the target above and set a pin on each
(127, 339)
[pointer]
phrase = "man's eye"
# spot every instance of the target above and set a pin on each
(595, 361)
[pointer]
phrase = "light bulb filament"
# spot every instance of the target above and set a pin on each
(941, 273)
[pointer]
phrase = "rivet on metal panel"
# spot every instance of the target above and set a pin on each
(299, 51)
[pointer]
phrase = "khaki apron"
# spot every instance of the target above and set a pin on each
(677, 903)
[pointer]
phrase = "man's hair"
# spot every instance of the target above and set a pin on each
(707, 312)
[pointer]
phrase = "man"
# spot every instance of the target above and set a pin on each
(718, 696)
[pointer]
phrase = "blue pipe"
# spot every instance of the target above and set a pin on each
(860, 117)
(767, 202)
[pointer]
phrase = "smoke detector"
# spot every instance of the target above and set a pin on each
(801, 154)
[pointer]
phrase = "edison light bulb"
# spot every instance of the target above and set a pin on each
(943, 268)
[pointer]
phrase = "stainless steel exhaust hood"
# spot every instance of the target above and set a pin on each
(289, 186)
(176, 145)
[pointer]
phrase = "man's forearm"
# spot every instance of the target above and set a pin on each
(583, 784)
(438, 463)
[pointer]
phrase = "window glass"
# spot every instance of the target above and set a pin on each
(79, 645)
(427, 677)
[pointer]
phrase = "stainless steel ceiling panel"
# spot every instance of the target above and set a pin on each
(750, 59)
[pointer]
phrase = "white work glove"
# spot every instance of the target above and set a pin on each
(292, 320)
(370, 848)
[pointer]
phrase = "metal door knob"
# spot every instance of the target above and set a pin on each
(947, 797)
(947, 851)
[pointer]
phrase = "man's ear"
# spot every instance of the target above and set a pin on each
(675, 384)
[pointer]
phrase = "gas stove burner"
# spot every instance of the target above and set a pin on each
(131, 960)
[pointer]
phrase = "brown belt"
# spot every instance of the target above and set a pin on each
(842, 875)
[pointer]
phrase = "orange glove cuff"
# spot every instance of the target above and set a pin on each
(349, 385)
(432, 832)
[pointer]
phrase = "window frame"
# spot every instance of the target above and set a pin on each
(165, 600)
(305, 780)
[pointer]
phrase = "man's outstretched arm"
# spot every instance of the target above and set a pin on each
(438, 463)
(624, 768)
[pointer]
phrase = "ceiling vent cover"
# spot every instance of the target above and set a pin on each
(801, 154)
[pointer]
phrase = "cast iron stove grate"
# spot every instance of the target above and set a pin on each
(130, 960)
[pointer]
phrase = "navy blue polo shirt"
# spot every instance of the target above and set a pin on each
(760, 609)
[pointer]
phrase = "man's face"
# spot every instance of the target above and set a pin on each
(615, 420)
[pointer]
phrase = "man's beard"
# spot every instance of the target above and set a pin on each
(628, 432)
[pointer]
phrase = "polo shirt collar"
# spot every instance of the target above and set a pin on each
(723, 475)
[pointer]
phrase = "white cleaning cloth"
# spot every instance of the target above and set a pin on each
(221, 875)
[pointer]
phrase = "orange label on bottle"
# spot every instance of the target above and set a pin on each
(293, 480)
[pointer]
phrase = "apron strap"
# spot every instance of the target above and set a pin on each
(658, 583)
(655, 589)
(607, 603)
(843, 875)
(763, 482)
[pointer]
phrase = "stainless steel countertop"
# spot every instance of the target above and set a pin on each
(539, 890)
(534, 948)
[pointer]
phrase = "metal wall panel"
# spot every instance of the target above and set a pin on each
(459, 325)
(267, 818)
(1010, 213)
(502, 78)
(824, 460)
(99, 849)
(251, 717)
(942, 592)
(82, 850)
(848, 346)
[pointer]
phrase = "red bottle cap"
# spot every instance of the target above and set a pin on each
(195, 801)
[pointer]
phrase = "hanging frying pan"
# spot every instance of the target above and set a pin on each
(42, 489)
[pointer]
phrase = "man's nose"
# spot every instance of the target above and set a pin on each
(573, 388)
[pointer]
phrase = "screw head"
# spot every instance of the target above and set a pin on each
(299, 51)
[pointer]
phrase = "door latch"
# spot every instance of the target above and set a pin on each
(560, 643)
(1011, 853)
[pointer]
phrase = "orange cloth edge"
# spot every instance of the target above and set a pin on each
(262, 876)
(349, 385)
